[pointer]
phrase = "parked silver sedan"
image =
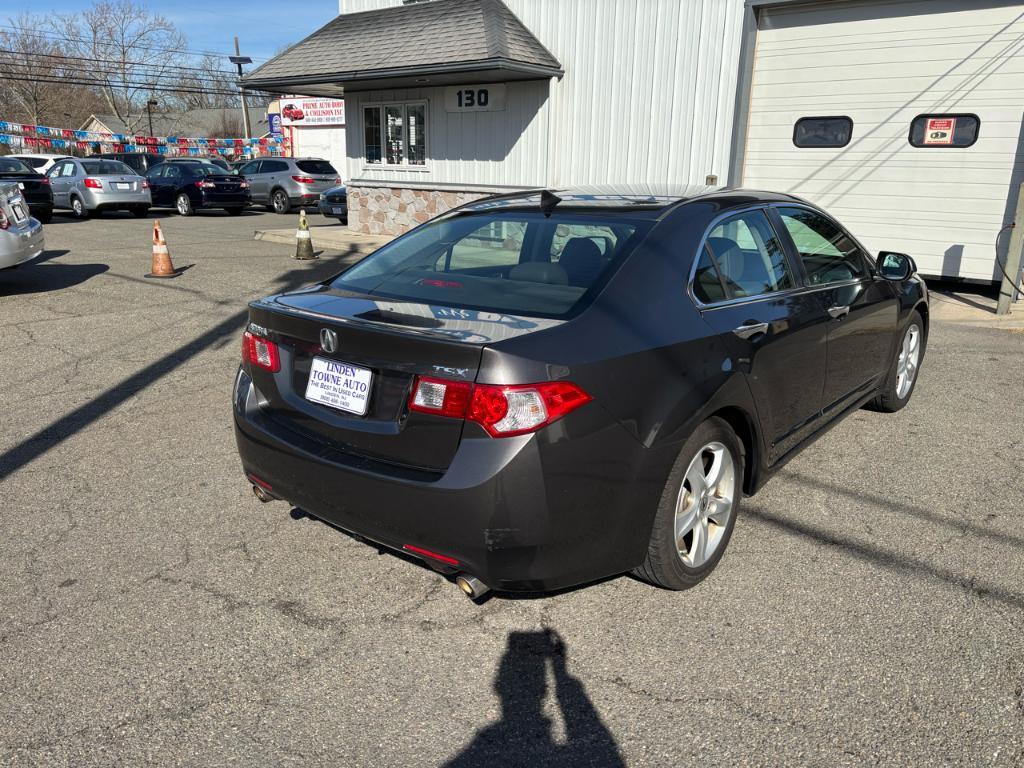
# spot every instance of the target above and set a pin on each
(94, 185)
(21, 236)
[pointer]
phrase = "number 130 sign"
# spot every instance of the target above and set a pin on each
(475, 98)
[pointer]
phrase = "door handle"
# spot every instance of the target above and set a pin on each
(749, 330)
(838, 312)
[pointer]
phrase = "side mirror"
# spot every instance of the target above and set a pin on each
(895, 266)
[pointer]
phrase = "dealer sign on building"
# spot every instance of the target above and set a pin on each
(298, 111)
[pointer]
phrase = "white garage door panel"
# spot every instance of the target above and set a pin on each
(882, 64)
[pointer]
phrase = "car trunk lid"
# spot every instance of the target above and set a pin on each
(392, 341)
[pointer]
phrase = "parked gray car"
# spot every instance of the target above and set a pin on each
(334, 203)
(95, 185)
(283, 182)
(21, 236)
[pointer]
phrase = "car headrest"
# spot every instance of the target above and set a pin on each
(539, 272)
(582, 261)
(728, 254)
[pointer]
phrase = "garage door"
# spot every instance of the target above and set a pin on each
(955, 65)
(327, 143)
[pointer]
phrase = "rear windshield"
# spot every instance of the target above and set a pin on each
(106, 167)
(10, 165)
(35, 162)
(204, 169)
(317, 167)
(513, 262)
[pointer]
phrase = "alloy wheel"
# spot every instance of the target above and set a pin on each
(908, 360)
(280, 202)
(183, 205)
(704, 504)
(78, 208)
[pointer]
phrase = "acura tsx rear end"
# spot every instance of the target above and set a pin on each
(525, 392)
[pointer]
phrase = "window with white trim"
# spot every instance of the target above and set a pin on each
(395, 134)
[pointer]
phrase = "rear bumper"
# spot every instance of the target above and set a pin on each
(530, 513)
(110, 201)
(223, 200)
(18, 245)
(327, 209)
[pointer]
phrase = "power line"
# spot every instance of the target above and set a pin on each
(136, 80)
(65, 57)
(130, 86)
(73, 38)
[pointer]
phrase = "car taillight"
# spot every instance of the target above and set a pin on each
(261, 352)
(337, 180)
(145, 184)
(503, 411)
(4, 221)
(93, 183)
(304, 179)
(45, 180)
(243, 185)
(206, 185)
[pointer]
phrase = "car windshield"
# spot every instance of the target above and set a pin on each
(517, 262)
(316, 167)
(106, 168)
(10, 165)
(34, 162)
(208, 169)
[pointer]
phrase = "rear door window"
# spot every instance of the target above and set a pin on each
(828, 254)
(500, 261)
(316, 167)
(747, 256)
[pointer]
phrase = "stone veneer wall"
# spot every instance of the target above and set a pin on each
(392, 211)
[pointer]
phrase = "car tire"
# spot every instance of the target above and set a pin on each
(140, 211)
(45, 216)
(696, 514)
(78, 208)
(903, 372)
(183, 205)
(234, 211)
(279, 202)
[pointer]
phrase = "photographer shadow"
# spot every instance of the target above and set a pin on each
(523, 736)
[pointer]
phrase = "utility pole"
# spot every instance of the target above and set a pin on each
(238, 60)
(1008, 288)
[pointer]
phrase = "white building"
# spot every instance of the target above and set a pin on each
(902, 118)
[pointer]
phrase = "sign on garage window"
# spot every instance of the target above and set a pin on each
(958, 131)
(822, 132)
(475, 98)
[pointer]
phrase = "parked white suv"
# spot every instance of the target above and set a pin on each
(40, 163)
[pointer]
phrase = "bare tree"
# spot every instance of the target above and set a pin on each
(31, 70)
(211, 89)
(130, 53)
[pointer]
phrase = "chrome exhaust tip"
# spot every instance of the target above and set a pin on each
(471, 586)
(261, 494)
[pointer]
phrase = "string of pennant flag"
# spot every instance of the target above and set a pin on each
(21, 135)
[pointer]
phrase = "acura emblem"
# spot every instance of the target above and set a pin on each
(328, 340)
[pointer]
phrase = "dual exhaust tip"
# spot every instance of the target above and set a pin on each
(471, 586)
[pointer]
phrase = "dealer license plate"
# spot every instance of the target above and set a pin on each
(337, 211)
(119, 185)
(340, 385)
(19, 212)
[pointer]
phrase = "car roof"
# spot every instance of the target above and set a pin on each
(646, 200)
(40, 154)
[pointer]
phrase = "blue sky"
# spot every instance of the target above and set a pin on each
(263, 26)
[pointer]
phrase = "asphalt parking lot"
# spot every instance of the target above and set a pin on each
(869, 610)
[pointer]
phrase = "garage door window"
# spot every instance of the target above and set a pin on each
(822, 132)
(944, 131)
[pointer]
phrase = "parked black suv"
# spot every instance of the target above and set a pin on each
(538, 390)
(140, 162)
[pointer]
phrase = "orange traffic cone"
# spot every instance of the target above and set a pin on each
(162, 264)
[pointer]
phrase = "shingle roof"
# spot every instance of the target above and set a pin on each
(441, 36)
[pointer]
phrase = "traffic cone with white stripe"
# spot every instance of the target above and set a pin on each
(162, 264)
(303, 242)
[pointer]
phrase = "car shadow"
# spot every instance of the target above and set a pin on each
(524, 735)
(40, 277)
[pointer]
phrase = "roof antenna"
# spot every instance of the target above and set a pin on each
(548, 201)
